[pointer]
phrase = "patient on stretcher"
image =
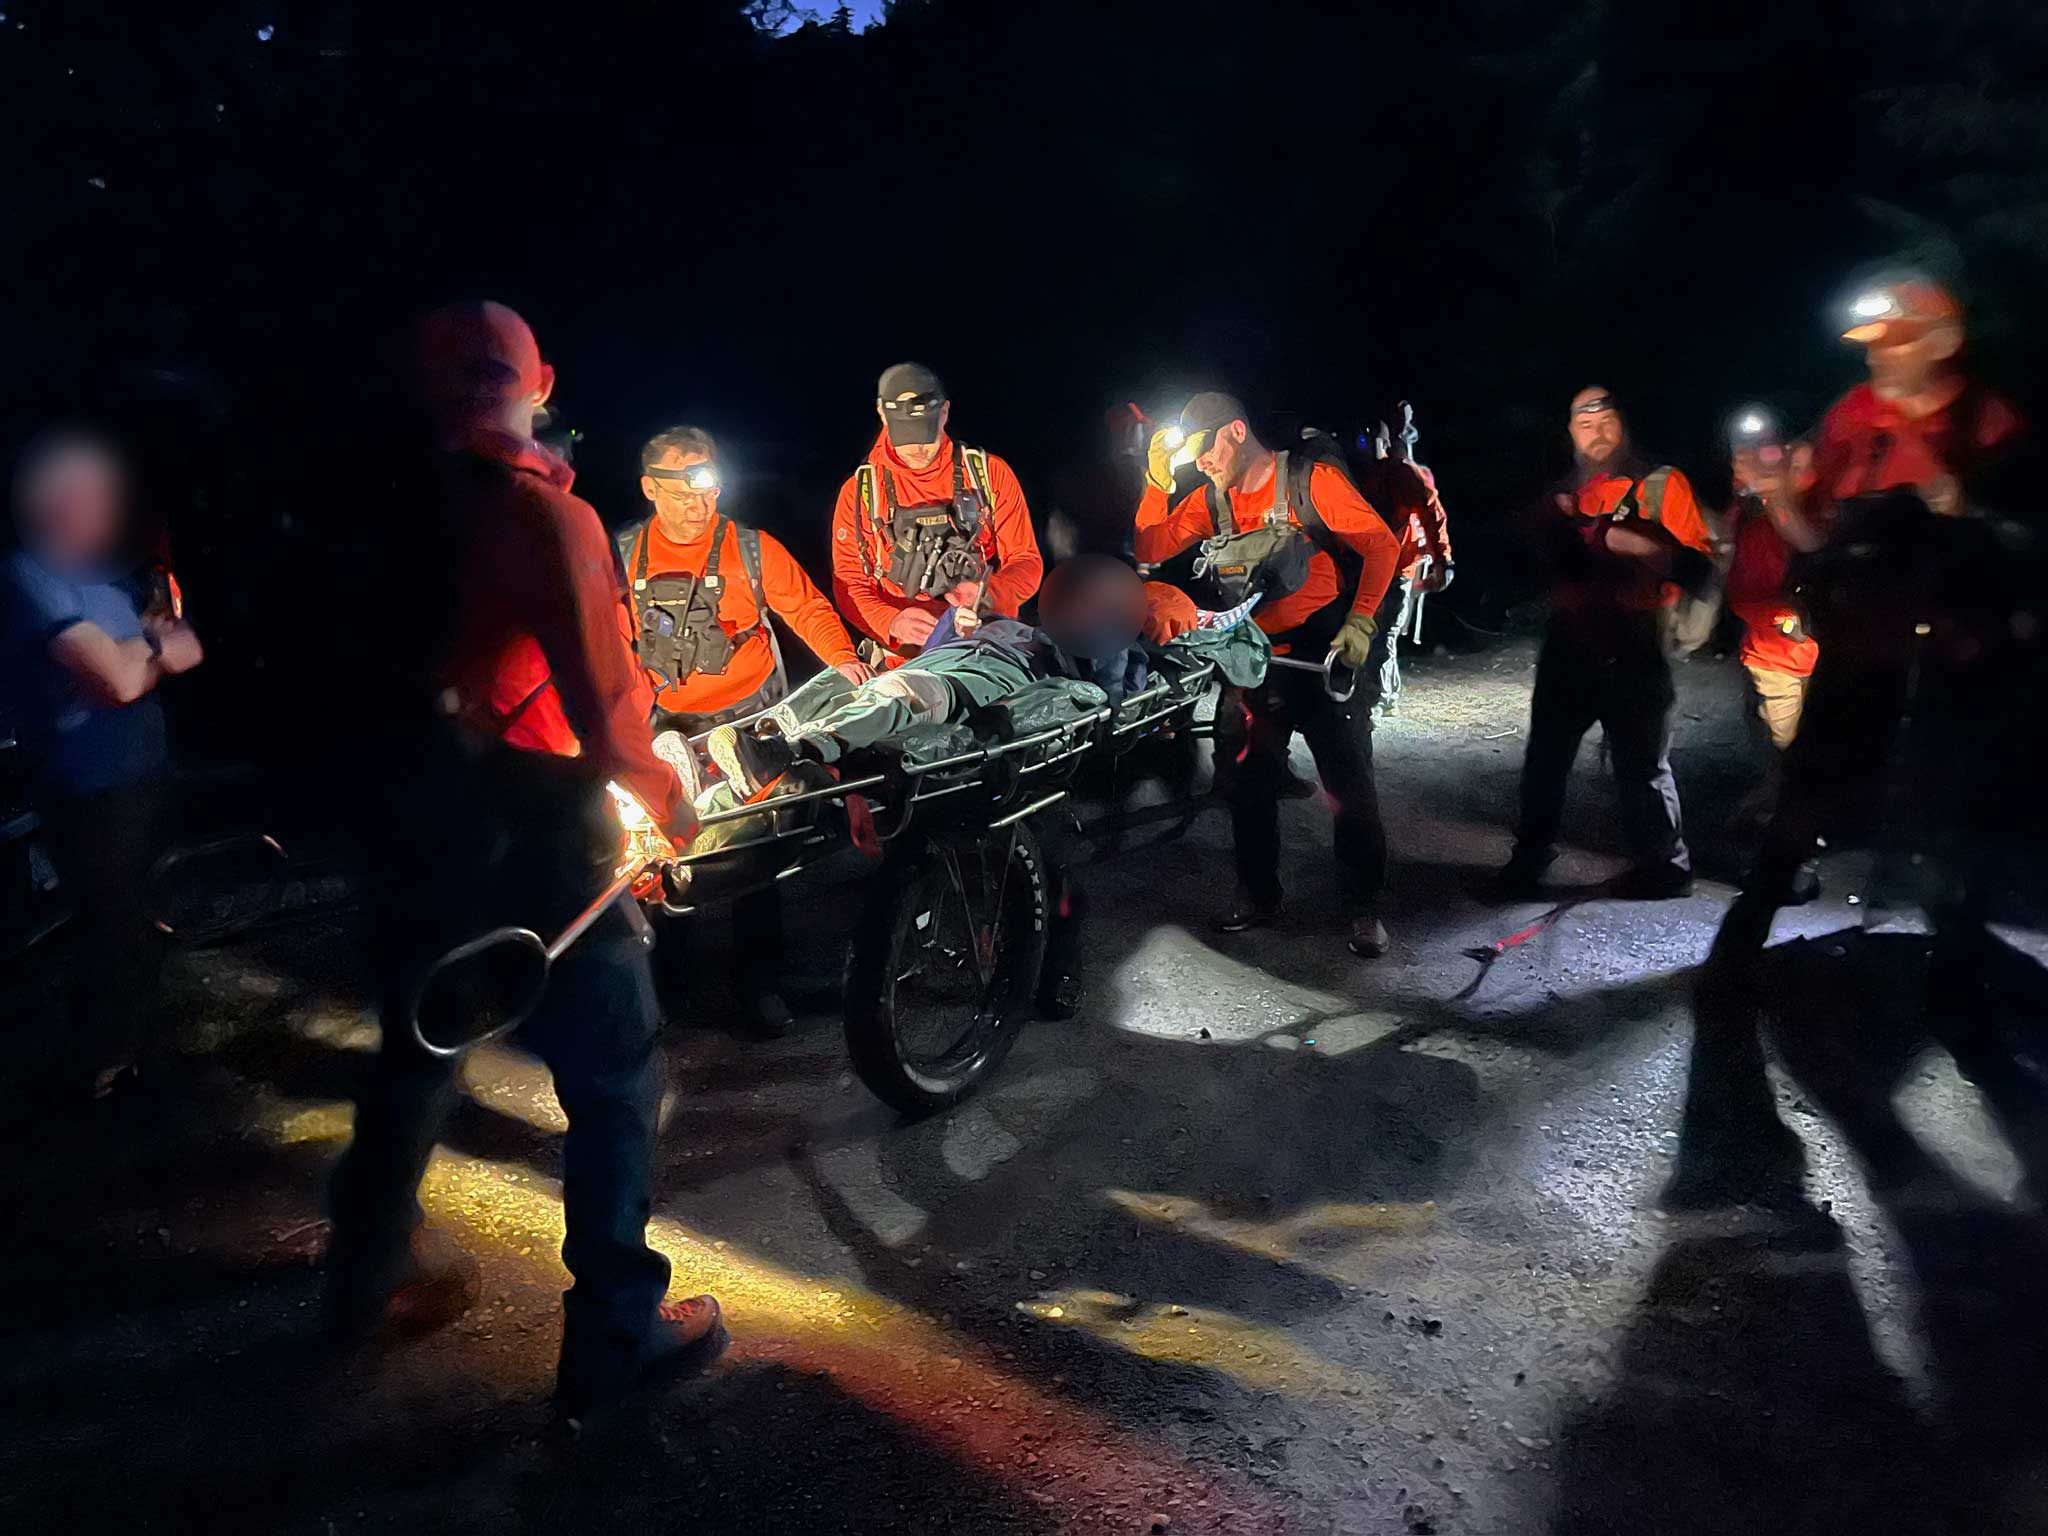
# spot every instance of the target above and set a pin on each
(1090, 647)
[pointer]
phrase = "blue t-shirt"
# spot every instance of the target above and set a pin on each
(85, 748)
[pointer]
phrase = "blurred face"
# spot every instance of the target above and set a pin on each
(685, 515)
(1899, 370)
(69, 505)
(1224, 460)
(1598, 436)
(919, 455)
(1092, 606)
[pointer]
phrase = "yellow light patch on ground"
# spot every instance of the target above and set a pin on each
(1308, 1237)
(943, 1385)
(1265, 1359)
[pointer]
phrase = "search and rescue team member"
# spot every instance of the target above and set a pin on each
(702, 588)
(1278, 525)
(1621, 540)
(928, 524)
(1908, 626)
(521, 701)
(1405, 490)
(1777, 653)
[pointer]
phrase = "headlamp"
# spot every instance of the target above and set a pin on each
(1173, 437)
(1752, 424)
(1875, 305)
(697, 477)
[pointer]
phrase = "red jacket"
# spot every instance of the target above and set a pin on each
(1868, 444)
(860, 552)
(1758, 594)
(542, 652)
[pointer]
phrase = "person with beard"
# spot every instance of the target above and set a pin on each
(927, 525)
(1620, 539)
(1921, 588)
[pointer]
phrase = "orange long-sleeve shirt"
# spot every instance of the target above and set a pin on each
(791, 596)
(1679, 512)
(860, 554)
(1165, 529)
(543, 646)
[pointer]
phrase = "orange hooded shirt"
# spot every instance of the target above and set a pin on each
(1165, 530)
(791, 597)
(542, 652)
(860, 555)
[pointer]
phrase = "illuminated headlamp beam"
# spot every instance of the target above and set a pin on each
(1874, 306)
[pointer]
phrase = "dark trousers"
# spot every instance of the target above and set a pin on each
(596, 1032)
(757, 947)
(103, 846)
(1255, 726)
(1615, 673)
(1933, 764)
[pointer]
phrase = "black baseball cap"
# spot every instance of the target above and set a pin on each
(910, 395)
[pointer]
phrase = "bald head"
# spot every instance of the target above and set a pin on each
(1599, 436)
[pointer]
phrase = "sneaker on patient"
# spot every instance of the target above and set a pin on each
(750, 763)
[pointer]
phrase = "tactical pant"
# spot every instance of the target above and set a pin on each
(595, 1029)
(1339, 737)
(1778, 698)
(935, 687)
(1618, 675)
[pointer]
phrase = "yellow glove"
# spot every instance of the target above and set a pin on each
(1353, 644)
(1170, 449)
(1166, 442)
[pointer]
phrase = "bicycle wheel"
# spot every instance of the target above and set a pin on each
(942, 971)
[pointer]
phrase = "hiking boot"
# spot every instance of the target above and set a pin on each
(1368, 938)
(1294, 787)
(767, 1015)
(750, 763)
(431, 1284)
(1656, 882)
(1247, 911)
(688, 1335)
(1805, 884)
(1520, 879)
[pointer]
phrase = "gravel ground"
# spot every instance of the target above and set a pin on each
(1268, 1238)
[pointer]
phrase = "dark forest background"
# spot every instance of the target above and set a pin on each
(1479, 205)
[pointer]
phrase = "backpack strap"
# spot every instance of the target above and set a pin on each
(868, 516)
(977, 474)
(749, 540)
(1651, 505)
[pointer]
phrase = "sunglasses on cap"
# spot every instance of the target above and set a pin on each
(1596, 406)
(697, 477)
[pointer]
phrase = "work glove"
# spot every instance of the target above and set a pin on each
(1169, 612)
(1353, 644)
(1168, 444)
